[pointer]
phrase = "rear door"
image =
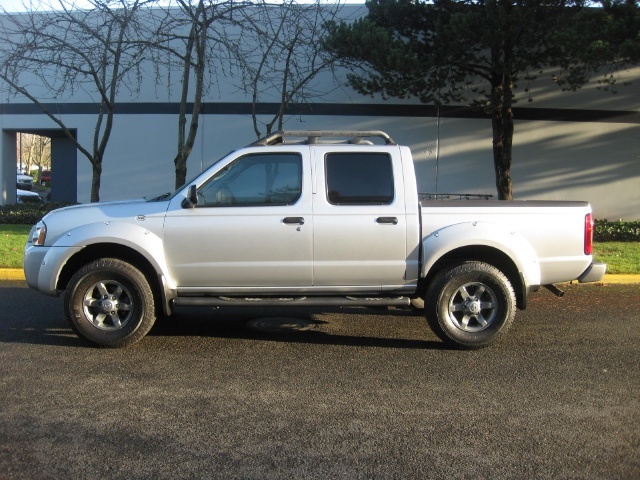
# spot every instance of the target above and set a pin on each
(360, 224)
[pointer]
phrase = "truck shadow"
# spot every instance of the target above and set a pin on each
(30, 318)
(353, 326)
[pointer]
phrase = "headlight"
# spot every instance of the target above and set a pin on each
(39, 234)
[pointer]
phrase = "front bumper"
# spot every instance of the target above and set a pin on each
(42, 266)
(594, 273)
(31, 263)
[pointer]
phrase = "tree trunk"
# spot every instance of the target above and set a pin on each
(198, 42)
(502, 125)
(502, 153)
(181, 169)
(95, 179)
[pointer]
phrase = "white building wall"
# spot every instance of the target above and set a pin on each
(572, 160)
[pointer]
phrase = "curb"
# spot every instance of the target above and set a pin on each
(11, 274)
(18, 274)
(613, 278)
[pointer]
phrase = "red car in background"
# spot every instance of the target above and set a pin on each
(45, 177)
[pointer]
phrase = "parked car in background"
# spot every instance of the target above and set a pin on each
(25, 196)
(23, 182)
(45, 178)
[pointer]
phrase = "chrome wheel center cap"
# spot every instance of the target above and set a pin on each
(107, 306)
(473, 307)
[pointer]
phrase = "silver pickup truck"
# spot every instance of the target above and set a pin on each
(314, 218)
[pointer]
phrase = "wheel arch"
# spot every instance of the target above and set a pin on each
(121, 252)
(491, 243)
(480, 253)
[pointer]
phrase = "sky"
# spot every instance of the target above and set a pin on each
(18, 5)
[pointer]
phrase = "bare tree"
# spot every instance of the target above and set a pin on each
(195, 35)
(34, 151)
(50, 53)
(284, 55)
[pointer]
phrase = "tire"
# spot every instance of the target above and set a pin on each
(470, 305)
(109, 303)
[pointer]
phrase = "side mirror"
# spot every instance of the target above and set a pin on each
(192, 197)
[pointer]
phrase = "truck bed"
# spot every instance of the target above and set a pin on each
(553, 230)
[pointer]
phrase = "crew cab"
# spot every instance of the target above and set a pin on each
(308, 218)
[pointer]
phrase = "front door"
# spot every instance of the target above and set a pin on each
(251, 227)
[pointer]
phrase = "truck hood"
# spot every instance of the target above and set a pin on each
(63, 220)
(84, 206)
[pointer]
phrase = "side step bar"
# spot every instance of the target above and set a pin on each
(292, 301)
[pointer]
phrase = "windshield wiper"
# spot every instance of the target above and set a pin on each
(164, 196)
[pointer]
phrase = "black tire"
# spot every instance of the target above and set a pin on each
(470, 305)
(109, 303)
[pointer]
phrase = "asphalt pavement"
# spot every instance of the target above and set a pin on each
(339, 393)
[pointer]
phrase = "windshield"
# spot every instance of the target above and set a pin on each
(170, 195)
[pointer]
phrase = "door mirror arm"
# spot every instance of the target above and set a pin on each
(191, 200)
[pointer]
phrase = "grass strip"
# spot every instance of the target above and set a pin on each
(12, 240)
(620, 257)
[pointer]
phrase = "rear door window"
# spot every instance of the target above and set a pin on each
(359, 178)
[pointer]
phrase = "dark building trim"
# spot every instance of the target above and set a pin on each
(333, 109)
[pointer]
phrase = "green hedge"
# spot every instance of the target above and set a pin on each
(26, 213)
(606, 231)
(29, 214)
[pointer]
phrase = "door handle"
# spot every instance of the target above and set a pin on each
(387, 220)
(293, 220)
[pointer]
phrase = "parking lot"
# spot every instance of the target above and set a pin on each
(338, 393)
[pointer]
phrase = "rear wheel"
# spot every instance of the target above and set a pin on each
(470, 305)
(109, 303)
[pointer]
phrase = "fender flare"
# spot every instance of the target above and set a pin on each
(123, 234)
(482, 234)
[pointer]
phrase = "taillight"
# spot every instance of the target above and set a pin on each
(588, 234)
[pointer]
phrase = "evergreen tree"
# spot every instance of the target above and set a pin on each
(475, 51)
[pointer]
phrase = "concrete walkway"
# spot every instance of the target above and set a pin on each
(17, 274)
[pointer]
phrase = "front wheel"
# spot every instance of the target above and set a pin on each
(471, 305)
(109, 303)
